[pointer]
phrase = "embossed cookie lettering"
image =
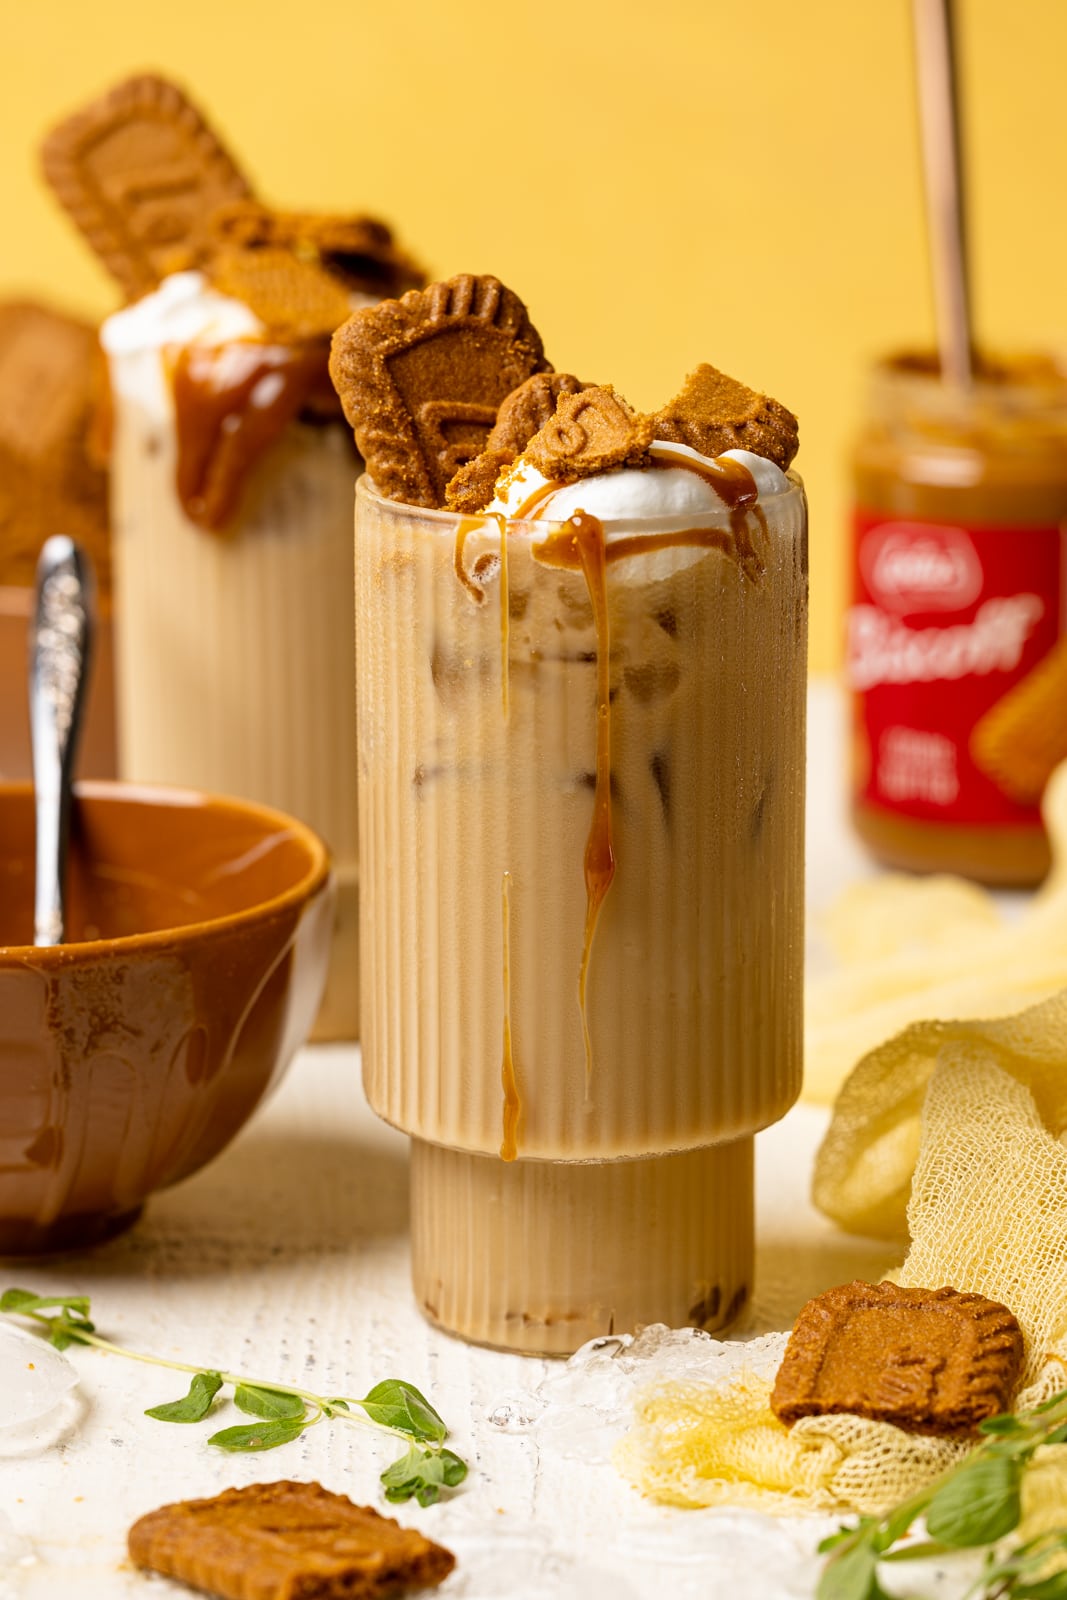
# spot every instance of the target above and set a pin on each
(931, 1361)
(280, 1541)
(589, 433)
(421, 380)
(139, 171)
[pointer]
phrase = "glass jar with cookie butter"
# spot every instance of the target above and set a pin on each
(957, 629)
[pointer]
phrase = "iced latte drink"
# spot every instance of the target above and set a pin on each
(231, 472)
(581, 743)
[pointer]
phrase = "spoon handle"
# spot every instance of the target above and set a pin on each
(935, 38)
(61, 639)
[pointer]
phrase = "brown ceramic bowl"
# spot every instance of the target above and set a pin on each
(199, 936)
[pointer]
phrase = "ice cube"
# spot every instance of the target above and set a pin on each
(516, 1413)
(34, 1378)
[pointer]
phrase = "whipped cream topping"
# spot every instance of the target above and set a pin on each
(628, 497)
(185, 309)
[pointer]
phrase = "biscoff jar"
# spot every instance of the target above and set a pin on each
(957, 632)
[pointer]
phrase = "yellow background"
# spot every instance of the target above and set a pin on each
(663, 183)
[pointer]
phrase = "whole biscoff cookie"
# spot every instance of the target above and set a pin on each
(286, 1541)
(421, 380)
(526, 409)
(589, 433)
(931, 1361)
(139, 171)
(714, 413)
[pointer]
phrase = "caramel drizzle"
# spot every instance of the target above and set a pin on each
(231, 402)
(509, 1146)
(578, 545)
(466, 527)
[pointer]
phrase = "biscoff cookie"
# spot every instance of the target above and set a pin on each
(359, 251)
(714, 413)
(930, 1361)
(50, 392)
(474, 485)
(421, 380)
(139, 171)
(590, 432)
(526, 409)
(294, 299)
(286, 1541)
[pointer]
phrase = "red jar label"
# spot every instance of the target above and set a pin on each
(945, 621)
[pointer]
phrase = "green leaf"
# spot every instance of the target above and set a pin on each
(1004, 1423)
(1048, 1405)
(22, 1300)
(1053, 1588)
(421, 1474)
(842, 1536)
(261, 1436)
(979, 1504)
(65, 1329)
(194, 1406)
(395, 1404)
(273, 1404)
(894, 1526)
(852, 1575)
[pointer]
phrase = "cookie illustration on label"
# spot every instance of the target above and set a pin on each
(139, 171)
(1023, 737)
(421, 380)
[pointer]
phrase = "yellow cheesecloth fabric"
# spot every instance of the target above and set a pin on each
(909, 948)
(952, 1133)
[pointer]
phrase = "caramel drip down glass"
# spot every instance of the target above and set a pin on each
(581, 777)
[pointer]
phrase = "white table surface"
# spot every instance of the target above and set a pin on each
(288, 1258)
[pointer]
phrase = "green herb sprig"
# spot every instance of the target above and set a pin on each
(282, 1411)
(978, 1502)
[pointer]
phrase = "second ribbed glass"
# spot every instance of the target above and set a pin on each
(581, 815)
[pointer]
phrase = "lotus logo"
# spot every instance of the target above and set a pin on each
(917, 566)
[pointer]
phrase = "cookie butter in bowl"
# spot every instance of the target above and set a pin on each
(231, 471)
(581, 645)
(198, 937)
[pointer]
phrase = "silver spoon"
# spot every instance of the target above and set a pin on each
(61, 637)
(935, 45)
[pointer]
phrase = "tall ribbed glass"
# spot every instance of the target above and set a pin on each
(234, 652)
(581, 758)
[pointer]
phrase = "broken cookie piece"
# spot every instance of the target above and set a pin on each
(474, 485)
(590, 432)
(527, 408)
(421, 380)
(714, 413)
(931, 1361)
(359, 252)
(286, 1541)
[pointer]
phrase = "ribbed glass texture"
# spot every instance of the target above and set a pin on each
(478, 751)
(234, 655)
